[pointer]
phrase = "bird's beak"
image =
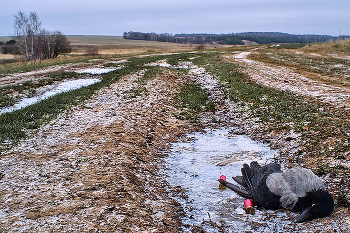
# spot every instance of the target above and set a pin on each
(305, 215)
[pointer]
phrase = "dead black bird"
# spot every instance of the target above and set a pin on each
(297, 189)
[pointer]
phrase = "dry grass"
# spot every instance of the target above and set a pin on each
(112, 45)
(115, 45)
(340, 47)
(6, 56)
(312, 62)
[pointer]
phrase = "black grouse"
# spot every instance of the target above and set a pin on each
(297, 189)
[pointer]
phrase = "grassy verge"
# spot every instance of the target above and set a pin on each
(330, 47)
(20, 67)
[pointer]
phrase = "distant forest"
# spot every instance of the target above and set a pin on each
(231, 39)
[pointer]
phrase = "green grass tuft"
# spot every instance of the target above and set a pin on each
(193, 100)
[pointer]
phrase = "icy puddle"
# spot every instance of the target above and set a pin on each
(52, 90)
(49, 91)
(197, 165)
(96, 70)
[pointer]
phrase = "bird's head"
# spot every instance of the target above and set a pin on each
(322, 206)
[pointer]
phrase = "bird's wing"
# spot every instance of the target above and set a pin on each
(247, 177)
(239, 180)
(254, 176)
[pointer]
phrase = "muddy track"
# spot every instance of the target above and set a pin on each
(98, 166)
(287, 80)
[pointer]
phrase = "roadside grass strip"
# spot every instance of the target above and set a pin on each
(192, 100)
(321, 65)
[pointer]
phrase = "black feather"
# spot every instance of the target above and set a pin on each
(308, 195)
(238, 179)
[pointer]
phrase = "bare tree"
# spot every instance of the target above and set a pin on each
(21, 30)
(36, 42)
(92, 51)
(34, 30)
(27, 30)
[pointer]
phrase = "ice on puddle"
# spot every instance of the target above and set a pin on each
(51, 91)
(197, 165)
(96, 70)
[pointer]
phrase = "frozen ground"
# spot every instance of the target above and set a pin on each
(98, 166)
(197, 164)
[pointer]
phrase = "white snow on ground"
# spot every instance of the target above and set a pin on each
(49, 91)
(161, 63)
(52, 90)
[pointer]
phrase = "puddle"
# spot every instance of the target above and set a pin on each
(51, 91)
(96, 70)
(196, 165)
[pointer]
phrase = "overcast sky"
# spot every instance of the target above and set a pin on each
(113, 17)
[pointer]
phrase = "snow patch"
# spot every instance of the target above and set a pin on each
(51, 91)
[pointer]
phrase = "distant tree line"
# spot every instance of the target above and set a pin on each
(278, 37)
(230, 39)
(184, 38)
(34, 42)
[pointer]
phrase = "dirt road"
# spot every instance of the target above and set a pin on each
(98, 167)
(285, 79)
